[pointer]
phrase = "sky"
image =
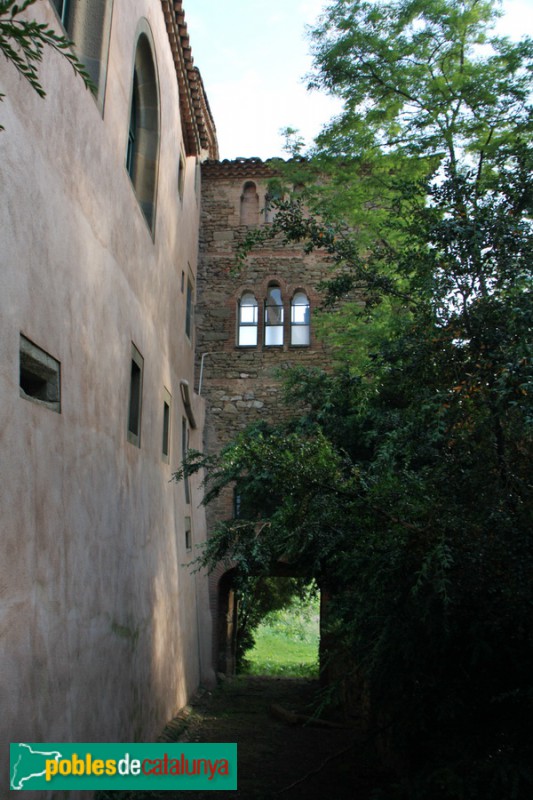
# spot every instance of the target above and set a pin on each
(253, 56)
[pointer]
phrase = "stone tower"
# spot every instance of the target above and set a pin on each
(249, 323)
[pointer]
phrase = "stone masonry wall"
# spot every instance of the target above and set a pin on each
(241, 384)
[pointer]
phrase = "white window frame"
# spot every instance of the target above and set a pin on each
(300, 324)
(244, 326)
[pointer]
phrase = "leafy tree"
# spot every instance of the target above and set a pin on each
(260, 595)
(23, 42)
(403, 483)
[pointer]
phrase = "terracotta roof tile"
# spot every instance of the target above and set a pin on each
(199, 130)
(241, 167)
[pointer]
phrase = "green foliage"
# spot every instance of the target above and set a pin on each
(259, 597)
(294, 143)
(23, 41)
(265, 465)
(286, 642)
(403, 484)
(418, 76)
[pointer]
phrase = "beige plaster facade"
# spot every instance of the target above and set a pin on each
(105, 633)
(116, 219)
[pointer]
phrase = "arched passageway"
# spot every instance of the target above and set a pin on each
(227, 628)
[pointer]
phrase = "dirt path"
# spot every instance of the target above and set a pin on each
(276, 760)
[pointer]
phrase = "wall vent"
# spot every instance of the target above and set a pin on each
(39, 376)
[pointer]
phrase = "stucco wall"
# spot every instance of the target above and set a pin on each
(105, 633)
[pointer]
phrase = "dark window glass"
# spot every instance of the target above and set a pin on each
(166, 429)
(134, 415)
(189, 310)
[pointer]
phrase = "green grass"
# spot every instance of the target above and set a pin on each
(286, 643)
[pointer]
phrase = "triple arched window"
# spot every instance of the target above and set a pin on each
(273, 319)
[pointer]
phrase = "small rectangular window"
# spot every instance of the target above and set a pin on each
(184, 448)
(188, 533)
(189, 310)
(165, 447)
(39, 376)
(136, 381)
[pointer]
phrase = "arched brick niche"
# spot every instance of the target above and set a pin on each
(249, 204)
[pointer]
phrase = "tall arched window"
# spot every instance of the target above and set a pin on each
(247, 322)
(300, 331)
(249, 204)
(143, 134)
(273, 316)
